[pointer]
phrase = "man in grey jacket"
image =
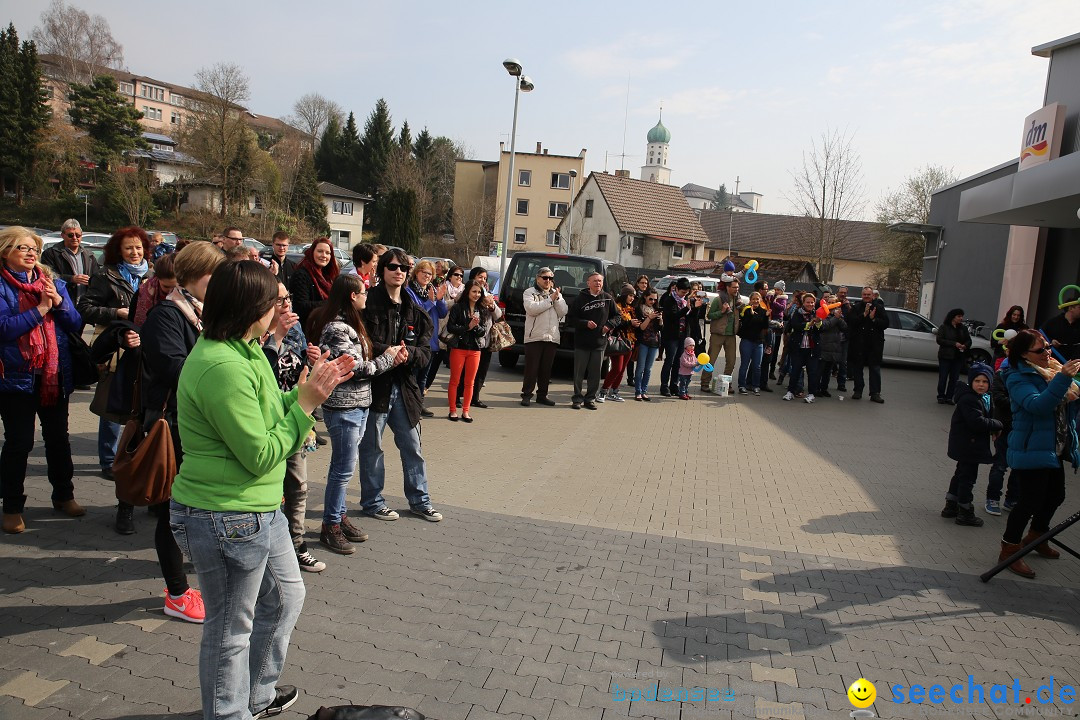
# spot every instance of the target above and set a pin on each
(545, 307)
(73, 263)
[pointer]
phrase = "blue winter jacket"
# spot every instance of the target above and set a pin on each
(436, 310)
(1033, 436)
(14, 324)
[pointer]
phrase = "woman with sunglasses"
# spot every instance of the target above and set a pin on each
(545, 307)
(1043, 435)
(35, 316)
(455, 285)
(651, 322)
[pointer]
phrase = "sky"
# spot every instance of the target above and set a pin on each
(745, 88)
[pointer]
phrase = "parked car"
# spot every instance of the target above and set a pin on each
(710, 285)
(94, 242)
(571, 272)
(910, 339)
(257, 244)
(168, 237)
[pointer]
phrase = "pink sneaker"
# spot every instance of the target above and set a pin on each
(188, 606)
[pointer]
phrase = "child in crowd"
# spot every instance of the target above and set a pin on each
(687, 363)
(969, 443)
(999, 398)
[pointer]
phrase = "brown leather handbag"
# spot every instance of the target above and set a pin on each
(145, 463)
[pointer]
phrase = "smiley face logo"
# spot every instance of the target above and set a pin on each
(862, 693)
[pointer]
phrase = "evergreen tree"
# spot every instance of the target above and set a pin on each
(375, 147)
(720, 199)
(422, 146)
(307, 201)
(329, 163)
(24, 114)
(350, 153)
(400, 221)
(107, 117)
(405, 138)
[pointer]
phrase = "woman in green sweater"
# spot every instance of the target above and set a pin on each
(238, 429)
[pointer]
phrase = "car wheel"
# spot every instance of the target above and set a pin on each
(508, 359)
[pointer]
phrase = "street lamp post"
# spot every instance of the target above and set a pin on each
(521, 84)
(570, 227)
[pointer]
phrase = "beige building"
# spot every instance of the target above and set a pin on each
(539, 197)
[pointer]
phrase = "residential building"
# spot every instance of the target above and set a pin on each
(637, 223)
(166, 162)
(1010, 234)
(762, 236)
(702, 198)
(345, 213)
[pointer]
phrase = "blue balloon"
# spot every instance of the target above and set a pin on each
(707, 367)
(751, 275)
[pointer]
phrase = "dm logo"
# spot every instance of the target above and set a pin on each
(1035, 141)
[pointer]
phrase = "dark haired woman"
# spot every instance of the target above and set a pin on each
(650, 322)
(676, 311)
(953, 341)
(310, 283)
(1043, 398)
(469, 322)
(339, 325)
(36, 314)
(238, 429)
(108, 298)
(1013, 320)
(624, 303)
(640, 286)
(490, 303)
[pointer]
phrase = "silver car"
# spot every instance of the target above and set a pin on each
(910, 339)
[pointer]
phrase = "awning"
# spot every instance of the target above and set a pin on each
(1047, 195)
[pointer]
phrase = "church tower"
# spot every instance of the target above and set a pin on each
(656, 169)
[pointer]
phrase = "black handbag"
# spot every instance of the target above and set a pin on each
(617, 345)
(83, 369)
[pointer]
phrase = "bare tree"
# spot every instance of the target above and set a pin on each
(902, 253)
(474, 225)
(827, 192)
(84, 42)
(313, 112)
(130, 189)
(219, 137)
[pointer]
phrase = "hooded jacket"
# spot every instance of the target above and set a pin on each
(971, 427)
(1033, 400)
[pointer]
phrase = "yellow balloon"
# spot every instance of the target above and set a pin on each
(862, 693)
(703, 358)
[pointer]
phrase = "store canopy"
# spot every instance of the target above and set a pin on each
(1047, 195)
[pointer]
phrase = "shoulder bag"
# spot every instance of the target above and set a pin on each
(145, 463)
(500, 337)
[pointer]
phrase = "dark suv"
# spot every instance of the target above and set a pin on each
(570, 272)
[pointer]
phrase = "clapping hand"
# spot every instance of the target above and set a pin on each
(313, 354)
(317, 384)
(1071, 368)
(286, 320)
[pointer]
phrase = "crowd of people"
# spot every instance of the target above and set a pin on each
(238, 354)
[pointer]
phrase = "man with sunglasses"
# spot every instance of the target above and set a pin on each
(391, 317)
(545, 308)
(71, 262)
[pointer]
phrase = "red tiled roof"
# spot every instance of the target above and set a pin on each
(698, 265)
(778, 234)
(648, 208)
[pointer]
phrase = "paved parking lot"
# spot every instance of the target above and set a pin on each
(773, 552)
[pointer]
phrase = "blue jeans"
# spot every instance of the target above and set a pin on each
(253, 593)
(750, 367)
(108, 435)
(997, 472)
(645, 359)
(683, 386)
(346, 428)
(669, 372)
(373, 461)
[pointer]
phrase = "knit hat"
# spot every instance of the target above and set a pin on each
(729, 266)
(689, 342)
(978, 369)
(780, 285)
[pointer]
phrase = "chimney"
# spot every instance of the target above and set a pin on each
(538, 147)
(502, 147)
(622, 173)
(545, 151)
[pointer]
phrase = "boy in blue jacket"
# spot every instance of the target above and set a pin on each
(969, 442)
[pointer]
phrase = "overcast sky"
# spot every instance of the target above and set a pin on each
(745, 87)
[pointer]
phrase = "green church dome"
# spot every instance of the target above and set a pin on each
(659, 134)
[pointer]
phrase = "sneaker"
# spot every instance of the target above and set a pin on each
(286, 695)
(757, 392)
(188, 606)
(333, 540)
(616, 397)
(743, 391)
(789, 395)
(428, 513)
(809, 398)
(992, 507)
(684, 396)
(1007, 505)
(308, 562)
(383, 513)
(352, 533)
(600, 396)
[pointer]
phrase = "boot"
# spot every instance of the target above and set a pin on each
(1019, 567)
(967, 516)
(125, 519)
(332, 539)
(69, 508)
(1043, 549)
(13, 523)
(951, 509)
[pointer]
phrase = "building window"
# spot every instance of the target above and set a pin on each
(177, 100)
(677, 251)
(557, 209)
(712, 255)
(344, 237)
(601, 243)
(174, 117)
(588, 208)
(125, 88)
(638, 246)
(525, 178)
(153, 92)
(523, 207)
(150, 113)
(552, 238)
(340, 207)
(519, 236)
(560, 180)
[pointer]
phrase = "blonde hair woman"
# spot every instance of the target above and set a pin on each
(432, 299)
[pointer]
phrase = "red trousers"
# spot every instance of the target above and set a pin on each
(618, 366)
(469, 361)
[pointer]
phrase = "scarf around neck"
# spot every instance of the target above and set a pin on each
(189, 305)
(150, 294)
(133, 273)
(37, 347)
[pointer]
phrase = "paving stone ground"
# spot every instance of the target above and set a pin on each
(768, 553)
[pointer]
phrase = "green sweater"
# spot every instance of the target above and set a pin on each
(237, 429)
